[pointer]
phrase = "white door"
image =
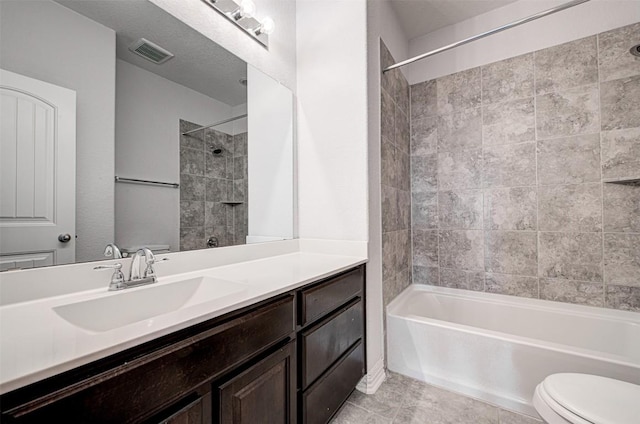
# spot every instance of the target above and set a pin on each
(37, 172)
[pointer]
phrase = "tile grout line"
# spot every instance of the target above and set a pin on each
(604, 276)
(397, 411)
(521, 186)
(437, 172)
(357, 407)
(535, 133)
(406, 229)
(484, 240)
(411, 234)
(532, 231)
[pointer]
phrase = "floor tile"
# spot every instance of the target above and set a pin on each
(351, 414)
(385, 401)
(404, 400)
(508, 417)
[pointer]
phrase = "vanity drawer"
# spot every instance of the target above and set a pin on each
(147, 384)
(326, 341)
(327, 296)
(327, 394)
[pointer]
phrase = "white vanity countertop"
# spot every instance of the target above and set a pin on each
(36, 343)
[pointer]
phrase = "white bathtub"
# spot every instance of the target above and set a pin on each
(498, 348)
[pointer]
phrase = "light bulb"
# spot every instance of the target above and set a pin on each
(266, 27)
(247, 9)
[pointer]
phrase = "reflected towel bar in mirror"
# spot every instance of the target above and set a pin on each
(147, 182)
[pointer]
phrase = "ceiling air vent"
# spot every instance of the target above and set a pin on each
(150, 51)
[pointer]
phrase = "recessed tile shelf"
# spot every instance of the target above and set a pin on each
(625, 181)
(232, 203)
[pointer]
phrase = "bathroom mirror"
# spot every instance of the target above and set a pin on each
(121, 124)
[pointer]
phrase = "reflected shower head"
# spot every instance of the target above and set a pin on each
(635, 50)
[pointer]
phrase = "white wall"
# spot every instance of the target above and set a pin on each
(381, 23)
(581, 21)
(332, 119)
(332, 135)
(148, 111)
(48, 42)
(270, 158)
(279, 61)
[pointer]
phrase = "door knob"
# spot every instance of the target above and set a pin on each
(64, 238)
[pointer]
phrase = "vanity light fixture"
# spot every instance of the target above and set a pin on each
(242, 14)
(246, 10)
(266, 27)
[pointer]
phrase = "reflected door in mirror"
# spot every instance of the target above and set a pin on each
(37, 173)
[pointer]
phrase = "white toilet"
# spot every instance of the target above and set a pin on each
(587, 399)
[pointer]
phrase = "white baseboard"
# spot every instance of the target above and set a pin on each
(373, 379)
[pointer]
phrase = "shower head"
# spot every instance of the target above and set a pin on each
(635, 50)
(217, 151)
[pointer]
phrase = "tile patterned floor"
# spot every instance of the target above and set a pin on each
(403, 400)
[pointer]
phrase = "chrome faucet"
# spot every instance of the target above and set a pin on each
(149, 274)
(149, 258)
(135, 279)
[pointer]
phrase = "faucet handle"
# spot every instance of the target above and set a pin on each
(117, 279)
(149, 271)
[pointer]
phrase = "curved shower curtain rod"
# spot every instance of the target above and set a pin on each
(488, 33)
(215, 124)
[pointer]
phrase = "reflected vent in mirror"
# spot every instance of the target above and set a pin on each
(150, 51)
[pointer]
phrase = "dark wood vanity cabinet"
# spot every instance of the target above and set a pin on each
(191, 410)
(330, 343)
(292, 358)
(264, 393)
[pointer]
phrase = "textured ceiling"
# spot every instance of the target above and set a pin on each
(199, 63)
(419, 17)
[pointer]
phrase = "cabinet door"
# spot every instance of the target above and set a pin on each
(264, 393)
(191, 411)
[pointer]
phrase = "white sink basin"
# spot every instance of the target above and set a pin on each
(142, 303)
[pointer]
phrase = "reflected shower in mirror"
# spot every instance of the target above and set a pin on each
(121, 124)
(220, 188)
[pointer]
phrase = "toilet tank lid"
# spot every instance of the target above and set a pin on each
(599, 400)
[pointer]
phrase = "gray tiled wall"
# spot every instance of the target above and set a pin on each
(396, 196)
(206, 180)
(240, 189)
(508, 170)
